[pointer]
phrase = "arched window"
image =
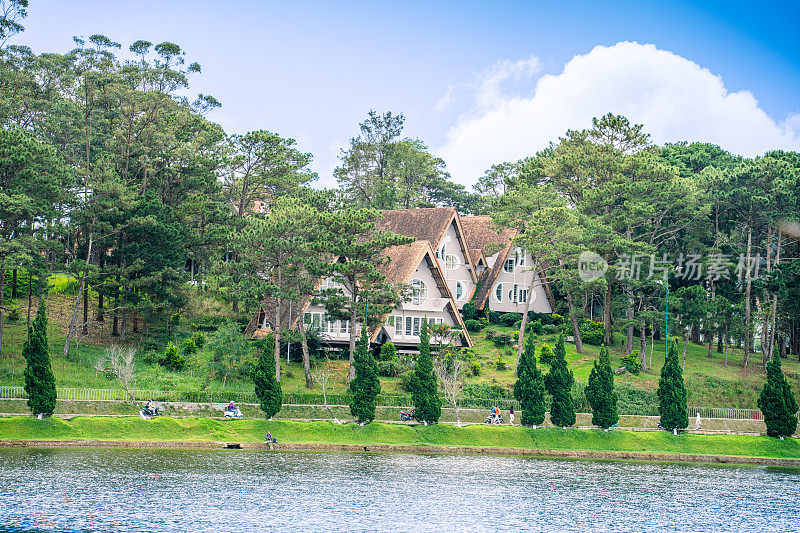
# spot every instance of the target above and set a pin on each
(419, 292)
(451, 262)
(459, 290)
(509, 265)
(498, 292)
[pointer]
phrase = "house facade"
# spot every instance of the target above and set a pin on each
(510, 280)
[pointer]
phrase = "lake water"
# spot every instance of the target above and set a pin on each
(244, 490)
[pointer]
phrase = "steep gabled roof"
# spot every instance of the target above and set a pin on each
(482, 235)
(427, 224)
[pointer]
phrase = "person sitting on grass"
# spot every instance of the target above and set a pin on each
(270, 438)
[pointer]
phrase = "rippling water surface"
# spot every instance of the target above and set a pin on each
(244, 490)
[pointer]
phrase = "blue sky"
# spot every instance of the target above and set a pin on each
(479, 82)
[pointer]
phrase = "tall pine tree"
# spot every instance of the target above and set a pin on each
(777, 402)
(559, 384)
(427, 403)
(672, 393)
(600, 392)
(529, 388)
(268, 389)
(40, 384)
(365, 386)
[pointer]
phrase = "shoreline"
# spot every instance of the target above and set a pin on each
(412, 449)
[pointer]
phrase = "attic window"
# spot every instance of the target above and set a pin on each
(419, 292)
(459, 290)
(509, 265)
(451, 262)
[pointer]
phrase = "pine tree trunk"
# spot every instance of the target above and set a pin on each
(576, 332)
(524, 322)
(351, 373)
(747, 325)
(14, 284)
(710, 344)
(30, 291)
(85, 326)
(629, 317)
(685, 343)
(774, 321)
(643, 342)
(72, 323)
(306, 356)
(278, 331)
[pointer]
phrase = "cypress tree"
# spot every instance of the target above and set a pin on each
(427, 403)
(777, 402)
(40, 384)
(559, 384)
(600, 392)
(268, 389)
(529, 388)
(365, 386)
(672, 393)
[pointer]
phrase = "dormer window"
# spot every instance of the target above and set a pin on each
(451, 262)
(509, 265)
(419, 292)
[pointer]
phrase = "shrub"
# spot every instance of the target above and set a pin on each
(406, 380)
(534, 327)
(475, 368)
(388, 352)
(474, 325)
(549, 329)
(199, 339)
(508, 319)
(546, 354)
(172, 360)
(592, 332)
(389, 369)
(517, 325)
(502, 339)
(556, 319)
(631, 362)
(493, 317)
(468, 311)
(490, 334)
(150, 357)
(13, 315)
(500, 364)
(188, 346)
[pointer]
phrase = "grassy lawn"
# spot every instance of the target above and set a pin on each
(253, 430)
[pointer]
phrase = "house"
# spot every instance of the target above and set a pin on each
(414, 265)
(507, 271)
(441, 227)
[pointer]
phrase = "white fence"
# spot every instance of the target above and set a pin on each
(222, 397)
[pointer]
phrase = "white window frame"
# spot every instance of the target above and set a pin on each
(498, 292)
(419, 291)
(507, 263)
(460, 286)
(451, 262)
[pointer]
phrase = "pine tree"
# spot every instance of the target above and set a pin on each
(427, 403)
(40, 384)
(672, 393)
(268, 389)
(529, 388)
(777, 402)
(600, 392)
(559, 384)
(365, 386)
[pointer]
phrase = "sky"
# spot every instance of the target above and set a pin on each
(479, 82)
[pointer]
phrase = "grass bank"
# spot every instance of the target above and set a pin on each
(327, 433)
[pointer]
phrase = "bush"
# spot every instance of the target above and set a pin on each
(517, 325)
(13, 315)
(631, 362)
(549, 329)
(388, 352)
(475, 368)
(406, 380)
(493, 317)
(546, 355)
(508, 319)
(592, 332)
(490, 334)
(150, 357)
(468, 312)
(556, 319)
(502, 339)
(389, 369)
(172, 360)
(535, 327)
(492, 392)
(188, 346)
(199, 339)
(473, 325)
(500, 364)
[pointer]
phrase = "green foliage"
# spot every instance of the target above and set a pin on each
(406, 379)
(199, 339)
(13, 315)
(672, 392)
(600, 392)
(189, 346)
(529, 387)
(267, 388)
(388, 352)
(546, 354)
(592, 332)
(509, 319)
(231, 353)
(468, 312)
(499, 338)
(475, 368)
(632, 363)
(172, 360)
(777, 402)
(500, 365)
(365, 387)
(40, 384)
(389, 369)
(425, 393)
(535, 327)
(559, 382)
(473, 326)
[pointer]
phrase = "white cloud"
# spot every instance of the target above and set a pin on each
(673, 97)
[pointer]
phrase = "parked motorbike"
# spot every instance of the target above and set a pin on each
(406, 416)
(235, 413)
